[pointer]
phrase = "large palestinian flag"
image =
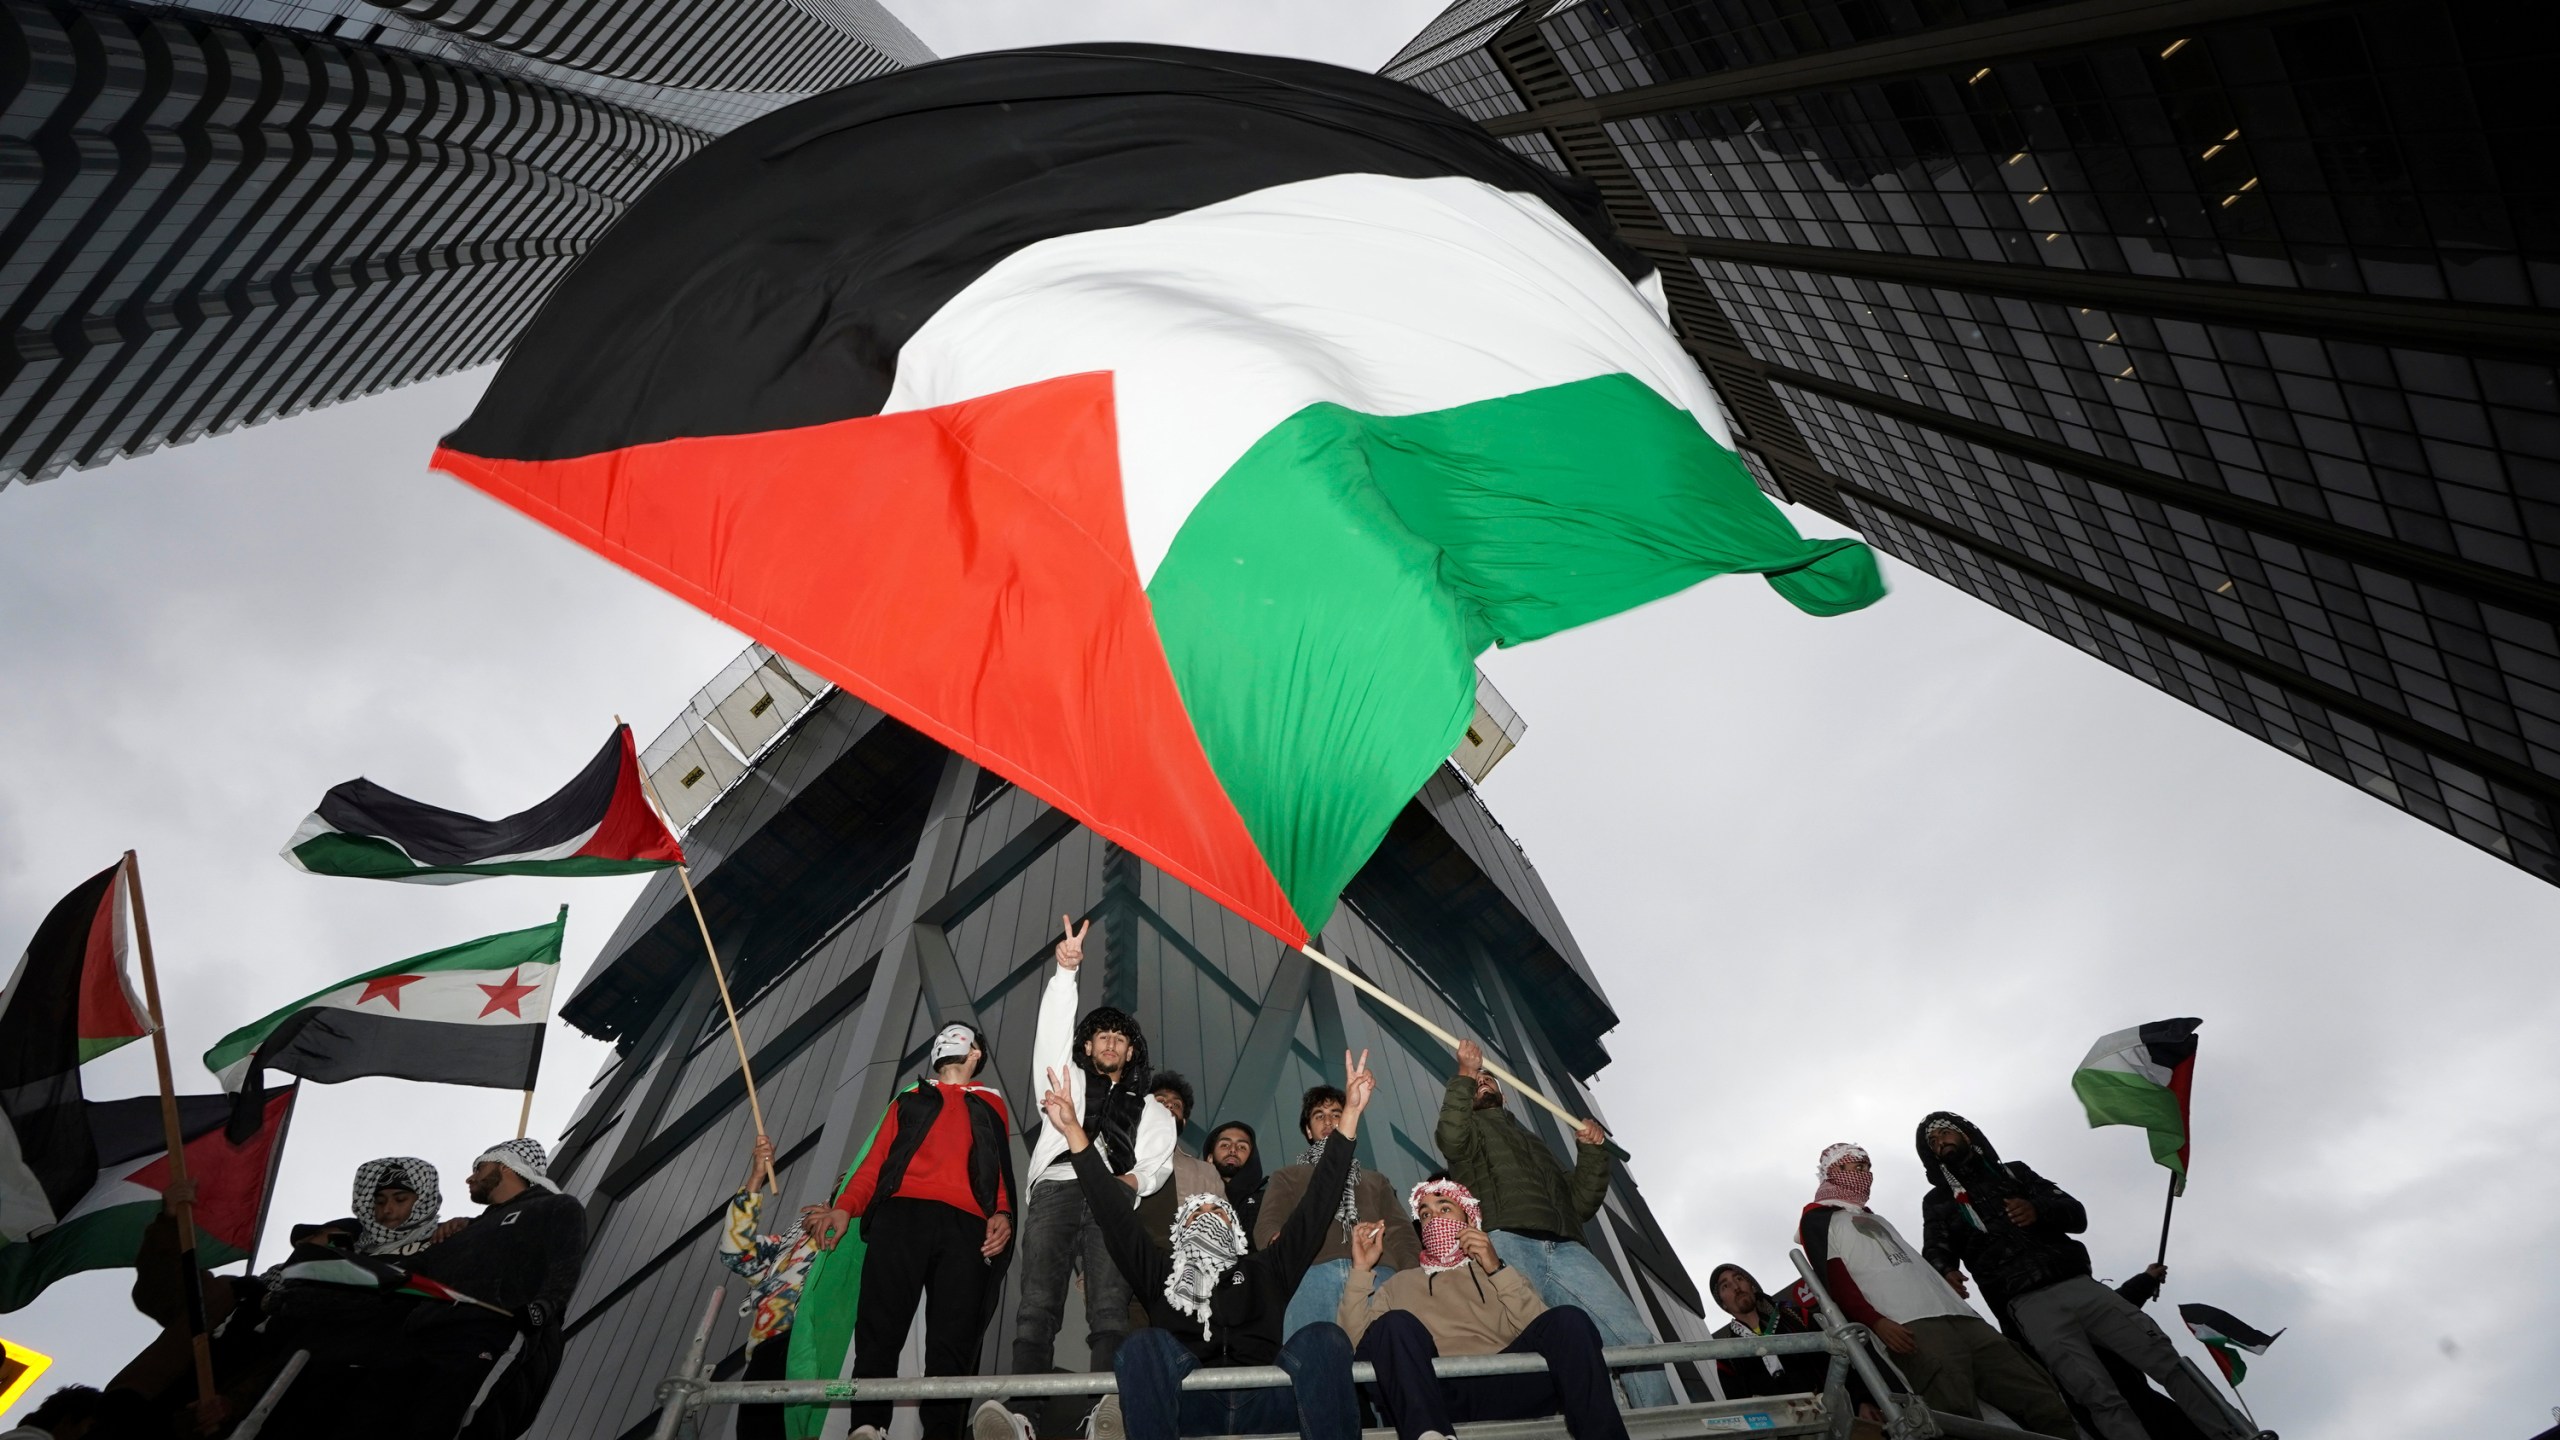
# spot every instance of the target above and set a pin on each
(600, 823)
(469, 1014)
(69, 1000)
(2226, 1337)
(1166, 430)
(102, 1228)
(2143, 1077)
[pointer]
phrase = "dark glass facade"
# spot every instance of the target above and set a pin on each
(220, 214)
(867, 887)
(2220, 349)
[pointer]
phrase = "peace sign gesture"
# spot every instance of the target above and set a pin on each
(1071, 948)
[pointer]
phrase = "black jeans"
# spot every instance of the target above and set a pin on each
(922, 1250)
(765, 1362)
(1576, 1382)
(1057, 1231)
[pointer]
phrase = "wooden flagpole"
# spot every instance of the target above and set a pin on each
(1570, 1119)
(524, 1114)
(728, 1007)
(181, 1205)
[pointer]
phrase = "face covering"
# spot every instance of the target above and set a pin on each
(1206, 1244)
(1853, 1186)
(1440, 1232)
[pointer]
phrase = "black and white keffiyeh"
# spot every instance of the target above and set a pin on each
(1348, 1212)
(405, 1170)
(1207, 1243)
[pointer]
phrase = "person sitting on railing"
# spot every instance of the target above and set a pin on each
(1535, 1208)
(521, 1256)
(1460, 1299)
(1878, 1279)
(1755, 1312)
(1214, 1302)
(1367, 1197)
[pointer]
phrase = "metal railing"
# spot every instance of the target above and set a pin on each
(1908, 1416)
(682, 1397)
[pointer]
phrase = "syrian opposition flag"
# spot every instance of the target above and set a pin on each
(600, 823)
(2142, 1077)
(70, 1000)
(2227, 1338)
(102, 1228)
(469, 1014)
(1163, 429)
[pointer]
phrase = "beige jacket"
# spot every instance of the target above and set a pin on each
(1191, 1176)
(1467, 1311)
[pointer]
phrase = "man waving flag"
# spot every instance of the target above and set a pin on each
(1197, 419)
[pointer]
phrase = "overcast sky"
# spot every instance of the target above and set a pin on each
(1834, 873)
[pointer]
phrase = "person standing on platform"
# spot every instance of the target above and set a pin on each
(2012, 1228)
(1879, 1279)
(775, 1268)
(522, 1254)
(935, 1194)
(1536, 1209)
(1366, 1197)
(1460, 1299)
(1216, 1302)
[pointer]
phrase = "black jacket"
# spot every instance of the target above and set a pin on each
(523, 1256)
(2005, 1259)
(1246, 1311)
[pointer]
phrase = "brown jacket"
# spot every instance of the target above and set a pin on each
(1377, 1200)
(1191, 1176)
(1467, 1311)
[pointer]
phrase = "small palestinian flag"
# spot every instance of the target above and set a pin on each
(469, 1014)
(600, 823)
(2141, 1077)
(102, 1229)
(2222, 1333)
(1166, 430)
(69, 1001)
(320, 1265)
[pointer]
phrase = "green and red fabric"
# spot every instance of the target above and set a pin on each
(1165, 430)
(70, 1000)
(2143, 1076)
(822, 1330)
(102, 1229)
(600, 823)
(2226, 1337)
(468, 1014)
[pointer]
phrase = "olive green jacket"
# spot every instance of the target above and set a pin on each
(1515, 1177)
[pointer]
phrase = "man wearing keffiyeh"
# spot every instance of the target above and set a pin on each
(1460, 1299)
(1210, 1301)
(1366, 1196)
(397, 1199)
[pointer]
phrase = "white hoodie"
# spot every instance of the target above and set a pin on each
(1053, 1047)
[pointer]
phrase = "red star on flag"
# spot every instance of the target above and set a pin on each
(386, 987)
(505, 994)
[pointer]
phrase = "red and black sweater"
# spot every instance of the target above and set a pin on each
(931, 1149)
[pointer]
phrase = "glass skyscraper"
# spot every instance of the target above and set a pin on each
(2215, 340)
(867, 887)
(222, 212)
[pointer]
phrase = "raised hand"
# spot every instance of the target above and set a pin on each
(1358, 1084)
(1470, 1059)
(1059, 1107)
(1071, 946)
(1478, 1246)
(1368, 1244)
(1590, 1133)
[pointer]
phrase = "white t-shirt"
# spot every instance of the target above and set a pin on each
(1888, 1269)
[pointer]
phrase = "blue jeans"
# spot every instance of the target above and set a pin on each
(1567, 1273)
(1319, 1295)
(1319, 1402)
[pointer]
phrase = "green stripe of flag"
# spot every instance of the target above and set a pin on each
(2118, 1097)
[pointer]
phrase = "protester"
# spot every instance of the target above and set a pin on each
(1535, 1208)
(1955, 1358)
(935, 1193)
(397, 1200)
(521, 1255)
(775, 1268)
(1237, 1154)
(2012, 1229)
(1460, 1299)
(1366, 1197)
(1216, 1302)
(1756, 1312)
(73, 1412)
(1104, 1057)
(1192, 1174)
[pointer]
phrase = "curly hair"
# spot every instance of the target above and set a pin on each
(1173, 1080)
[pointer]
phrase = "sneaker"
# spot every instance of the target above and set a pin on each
(868, 1432)
(994, 1422)
(1105, 1424)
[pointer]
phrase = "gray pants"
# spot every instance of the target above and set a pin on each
(1962, 1362)
(2069, 1323)
(1058, 1233)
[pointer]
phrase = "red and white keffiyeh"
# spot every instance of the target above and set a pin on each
(1851, 1188)
(1440, 1232)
